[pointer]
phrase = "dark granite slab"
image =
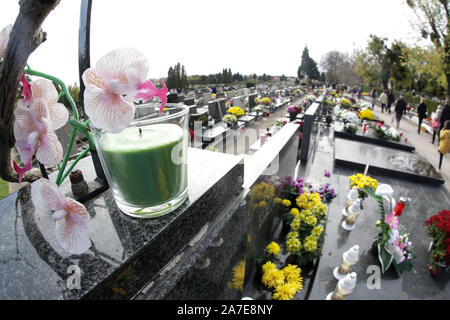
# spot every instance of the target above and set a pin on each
(369, 137)
(425, 201)
(381, 160)
(126, 252)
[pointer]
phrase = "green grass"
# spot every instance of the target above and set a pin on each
(4, 189)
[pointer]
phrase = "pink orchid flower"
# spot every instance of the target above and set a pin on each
(71, 217)
(118, 80)
(4, 38)
(37, 115)
(40, 92)
(34, 136)
(392, 220)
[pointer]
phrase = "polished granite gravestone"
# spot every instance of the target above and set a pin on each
(369, 137)
(424, 200)
(398, 163)
(126, 252)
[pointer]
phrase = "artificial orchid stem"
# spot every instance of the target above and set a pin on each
(66, 157)
(74, 163)
(58, 81)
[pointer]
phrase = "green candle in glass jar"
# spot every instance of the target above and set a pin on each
(146, 164)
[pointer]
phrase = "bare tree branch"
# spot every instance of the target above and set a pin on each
(26, 35)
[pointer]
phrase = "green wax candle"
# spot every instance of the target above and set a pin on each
(139, 160)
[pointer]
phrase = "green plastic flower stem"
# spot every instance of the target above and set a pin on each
(60, 95)
(58, 81)
(74, 163)
(81, 126)
(66, 156)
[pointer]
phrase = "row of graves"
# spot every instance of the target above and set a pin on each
(214, 118)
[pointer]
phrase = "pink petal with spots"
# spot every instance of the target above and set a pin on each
(45, 92)
(47, 196)
(90, 77)
(106, 110)
(72, 234)
(114, 65)
(44, 89)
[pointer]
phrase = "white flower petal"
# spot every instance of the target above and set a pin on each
(72, 234)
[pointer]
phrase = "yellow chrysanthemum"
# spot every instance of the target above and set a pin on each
(277, 200)
(311, 220)
(295, 224)
(262, 204)
(292, 234)
(285, 291)
(268, 266)
(238, 276)
(286, 203)
(293, 245)
(273, 248)
(272, 278)
(292, 273)
(310, 245)
(320, 210)
(294, 212)
(317, 231)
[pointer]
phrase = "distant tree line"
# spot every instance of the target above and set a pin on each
(178, 79)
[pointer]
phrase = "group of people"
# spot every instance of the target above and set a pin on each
(440, 119)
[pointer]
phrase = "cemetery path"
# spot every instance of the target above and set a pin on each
(422, 143)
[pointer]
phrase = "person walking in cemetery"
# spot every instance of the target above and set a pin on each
(373, 94)
(445, 115)
(436, 121)
(400, 109)
(390, 96)
(444, 144)
(383, 100)
(421, 113)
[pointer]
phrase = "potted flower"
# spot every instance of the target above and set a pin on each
(438, 229)
(366, 114)
(293, 111)
(345, 103)
(230, 120)
(350, 127)
(238, 112)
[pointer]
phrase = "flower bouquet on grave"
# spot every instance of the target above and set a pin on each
(238, 112)
(366, 114)
(293, 111)
(363, 183)
(305, 238)
(283, 283)
(345, 103)
(349, 117)
(392, 244)
(109, 102)
(230, 120)
(438, 229)
(350, 127)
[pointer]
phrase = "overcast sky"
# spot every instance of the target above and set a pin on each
(248, 36)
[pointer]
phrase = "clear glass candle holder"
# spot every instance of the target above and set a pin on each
(146, 163)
